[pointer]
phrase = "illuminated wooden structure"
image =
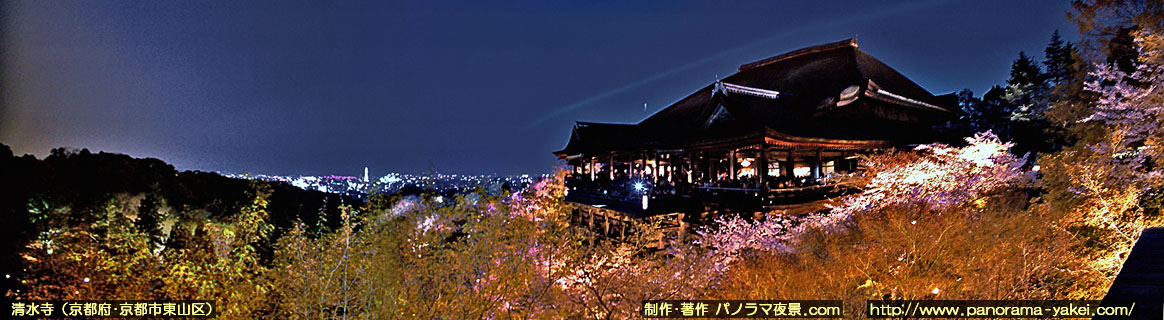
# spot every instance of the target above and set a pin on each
(777, 132)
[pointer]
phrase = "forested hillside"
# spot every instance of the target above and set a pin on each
(76, 190)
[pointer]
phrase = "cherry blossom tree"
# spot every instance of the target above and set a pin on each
(933, 177)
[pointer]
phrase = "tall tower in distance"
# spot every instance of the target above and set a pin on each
(365, 174)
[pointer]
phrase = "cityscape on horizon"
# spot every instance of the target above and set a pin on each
(393, 183)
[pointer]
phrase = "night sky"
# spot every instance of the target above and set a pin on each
(480, 87)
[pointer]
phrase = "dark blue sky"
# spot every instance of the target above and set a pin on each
(290, 87)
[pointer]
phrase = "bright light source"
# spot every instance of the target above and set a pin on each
(1036, 168)
(86, 280)
(936, 291)
(801, 171)
(639, 186)
(745, 172)
(645, 202)
(746, 163)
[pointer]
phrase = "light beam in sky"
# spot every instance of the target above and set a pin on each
(888, 11)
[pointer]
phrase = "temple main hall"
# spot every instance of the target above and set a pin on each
(780, 132)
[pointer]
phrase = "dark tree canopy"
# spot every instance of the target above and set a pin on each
(74, 187)
(1059, 59)
(1024, 71)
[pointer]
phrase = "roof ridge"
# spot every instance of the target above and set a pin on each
(859, 54)
(577, 122)
(850, 42)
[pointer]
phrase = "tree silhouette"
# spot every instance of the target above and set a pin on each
(1059, 59)
(149, 219)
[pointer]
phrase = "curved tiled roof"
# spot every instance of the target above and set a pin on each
(829, 91)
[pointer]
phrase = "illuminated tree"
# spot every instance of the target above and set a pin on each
(323, 277)
(730, 237)
(938, 176)
(105, 259)
(1110, 181)
(220, 262)
(941, 222)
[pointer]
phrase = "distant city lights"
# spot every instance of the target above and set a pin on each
(394, 182)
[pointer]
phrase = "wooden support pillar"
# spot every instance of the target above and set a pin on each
(791, 164)
(634, 168)
(689, 168)
(732, 165)
(655, 167)
(711, 174)
(622, 229)
(682, 227)
(638, 171)
(605, 223)
(643, 172)
(671, 168)
(762, 167)
(630, 168)
(592, 173)
(788, 170)
(816, 174)
(611, 166)
(662, 244)
(590, 225)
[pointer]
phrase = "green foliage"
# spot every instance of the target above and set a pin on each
(114, 257)
(468, 258)
(149, 220)
(105, 259)
(224, 265)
